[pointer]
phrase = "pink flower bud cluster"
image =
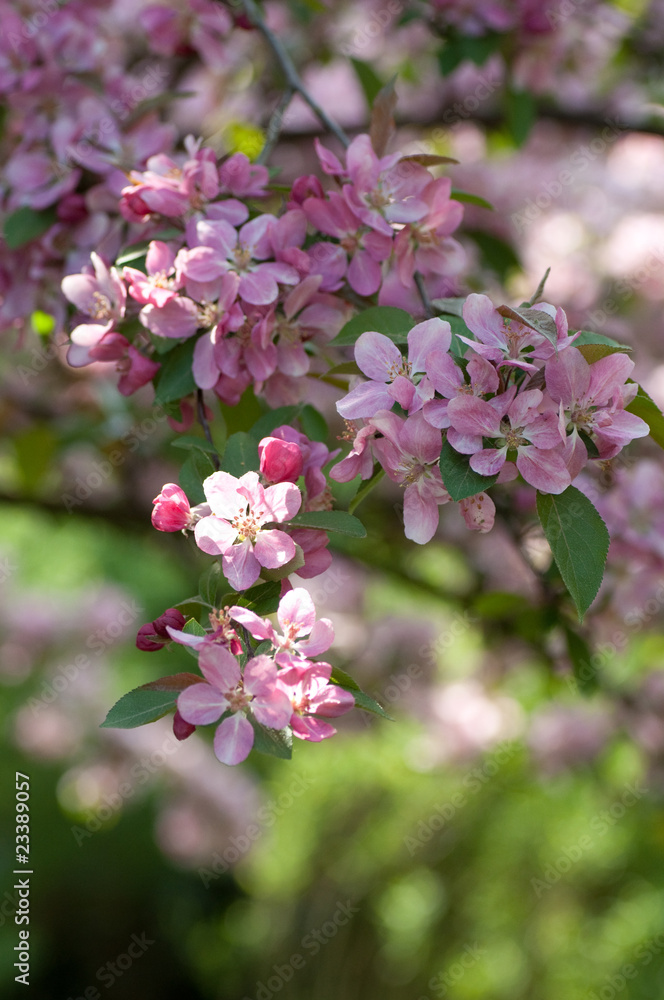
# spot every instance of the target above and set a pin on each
(263, 294)
(277, 688)
(515, 404)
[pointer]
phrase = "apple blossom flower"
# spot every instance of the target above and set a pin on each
(297, 617)
(172, 511)
(227, 689)
(103, 298)
(391, 375)
(311, 695)
(235, 528)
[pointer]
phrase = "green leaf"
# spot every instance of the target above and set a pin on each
(453, 306)
(471, 199)
(496, 254)
(212, 585)
(330, 520)
(371, 84)
(240, 454)
(27, 224)
(195, 470)
(174, 379)
(393, 323)
(138, 707)
(313, 423)
(35, 449)
(193, 627)
(539, 291)
(365, 490)
(579, 542)
(345, 368)
(362, 699)
(646, 408)
(274, 742)
(580, 658)
(466, 48)
(459, 479)
(263, 598)
(521, 114)
(535, 319)
(189, 441)
(275, 418)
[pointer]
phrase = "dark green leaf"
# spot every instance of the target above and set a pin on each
(275, 418)
(193, 627)
(580, 658)
(240, 455)
(496, 254)
(26, 224)
(471, 199)
(393, 323)
(369, 81)
(459, 479)
(594, 346)
(196, 469)
(262, 599)
(139, 707)
(174, 379)
(189, 441)
(521, 114)
(454, 306)
(274, 742)
(212, 585)
(466, 48)
(313, 423)
(330, 520)
(362, 699)
(579, 542)
(646, 408)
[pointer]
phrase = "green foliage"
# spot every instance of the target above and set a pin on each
(579, 542)
(197, 467)
(240, 454)
(369, 81)
(330, 520)
(496, 254)
(362, 699)
(273, 742)
(646, 408)
(393, 323)
(175, 379)
(139, 707)
(27, 224)
(521, 114)
(459, 479)
(466, 48)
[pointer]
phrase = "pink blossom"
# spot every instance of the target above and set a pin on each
(280, 461)
(102, 298)
(314, 454)
(157, 287)
(503, 341)
(516, 424)
(313, 544)
(311, 695)
(409, 453)
(243, 179)
(426, 246)
(583, 392)
(479, 512)
(172, 511)
(235, 528)
(297, 617)
(228, 690)
(447, 378)
(390, 373)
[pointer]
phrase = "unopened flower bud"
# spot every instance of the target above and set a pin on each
(172, 511)
(281, 461)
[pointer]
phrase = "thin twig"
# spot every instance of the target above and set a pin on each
(202, 419)
(275, 125)
(292, 76)
(424, 295)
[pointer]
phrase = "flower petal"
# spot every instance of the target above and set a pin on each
(233, 739)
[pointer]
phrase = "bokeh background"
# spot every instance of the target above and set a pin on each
(503, 836)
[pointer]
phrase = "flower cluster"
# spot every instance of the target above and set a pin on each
(520, 401)
(262, 294)
(278, 688)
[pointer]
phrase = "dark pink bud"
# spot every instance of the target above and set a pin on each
(181, 729)
(153, 636)
(172, 511)
(281, 461)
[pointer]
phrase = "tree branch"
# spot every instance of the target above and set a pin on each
(292, 76)
(275, 125)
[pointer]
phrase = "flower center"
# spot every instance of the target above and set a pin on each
(238, 698)
(513, 436)
(242, 257)
(410, 472)
(247, 524)
(208, 314)
(101, 308)
(396, 369)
